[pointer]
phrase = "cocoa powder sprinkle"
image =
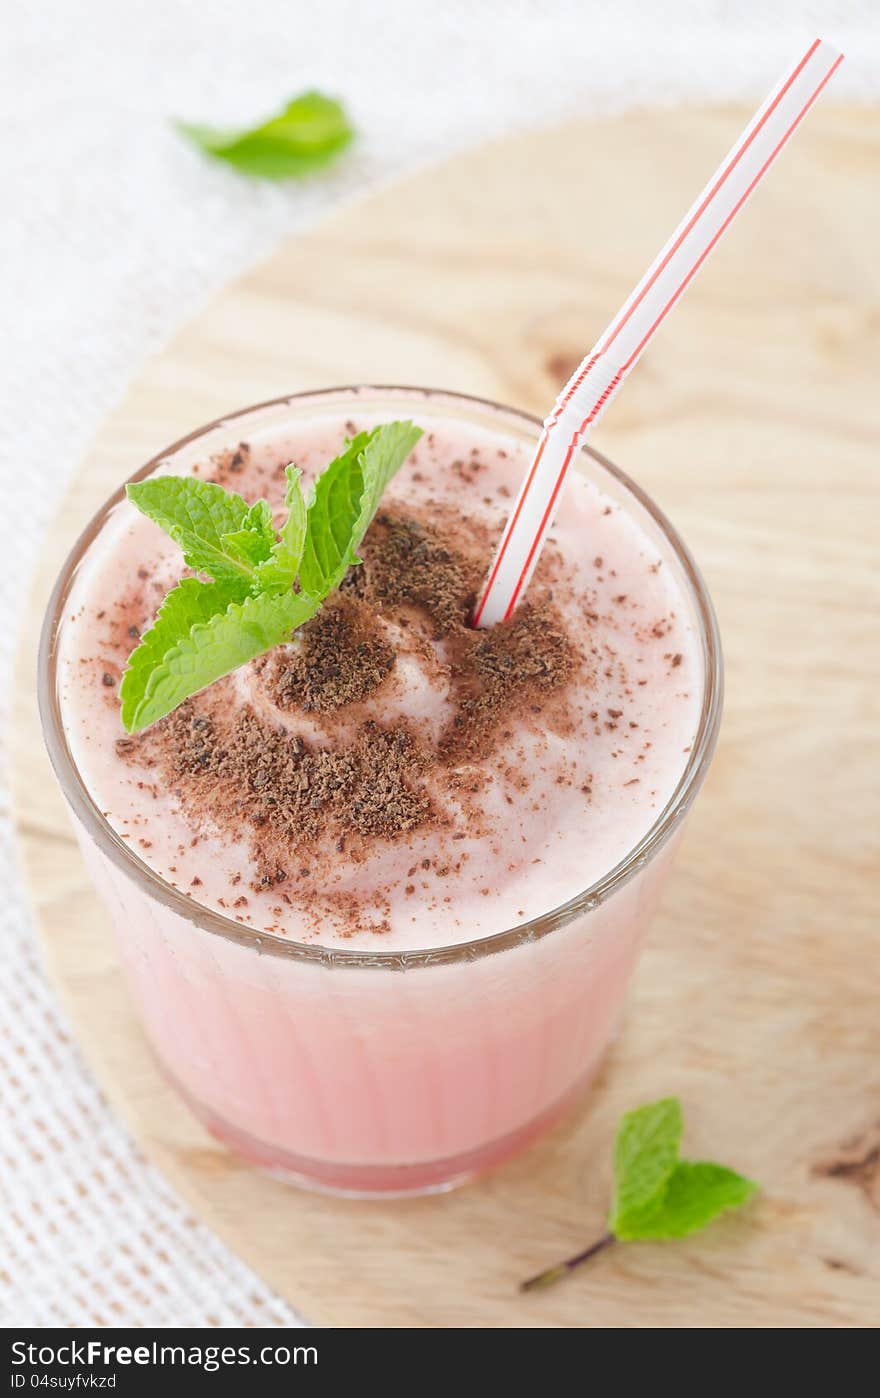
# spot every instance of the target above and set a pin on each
(338, 659)
(407, 563)
(292, 801)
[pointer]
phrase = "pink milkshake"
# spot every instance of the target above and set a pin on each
(380, 891)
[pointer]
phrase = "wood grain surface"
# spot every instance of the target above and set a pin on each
(754, 422)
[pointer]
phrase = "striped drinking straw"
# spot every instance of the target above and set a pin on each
(598, 378)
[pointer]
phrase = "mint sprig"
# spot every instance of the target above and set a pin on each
(656, 1194)
(309, 133)
(263, 587)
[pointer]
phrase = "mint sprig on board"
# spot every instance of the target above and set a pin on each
(263, 587)
(656, 1194)
(307, 135)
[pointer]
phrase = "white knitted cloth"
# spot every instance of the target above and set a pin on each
(113, 233)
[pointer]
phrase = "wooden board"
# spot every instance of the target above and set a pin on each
(754, 422)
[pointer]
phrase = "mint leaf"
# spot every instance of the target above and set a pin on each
(333, 510)
(695, 1193)
(344, 500)
(212, 649)
(645, 1154)
(656, 1195)
(253, 543)
(386, 450)
(207, 522)
(205, 630)
(308, 134)
(280, 569)
(184, 606)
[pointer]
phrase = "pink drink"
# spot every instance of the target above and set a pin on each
(397, 1007)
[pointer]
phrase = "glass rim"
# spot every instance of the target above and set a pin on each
(270, 943)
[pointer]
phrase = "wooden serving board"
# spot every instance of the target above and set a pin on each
(754, 422)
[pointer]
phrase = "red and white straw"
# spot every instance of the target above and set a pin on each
(596, 381)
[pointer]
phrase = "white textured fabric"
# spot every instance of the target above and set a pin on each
(113, 233)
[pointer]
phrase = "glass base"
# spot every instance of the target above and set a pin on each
(379, 1181)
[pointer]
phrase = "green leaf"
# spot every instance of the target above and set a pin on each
(255, 541)
(645, 1154)
(695, 1193)
(656, 1195)
(387, 449)
(333, 510)
(280, 569)
(308, 134)
(184, 606)
(205, 630)
(207, 522)
(345, 498)
(214, 648)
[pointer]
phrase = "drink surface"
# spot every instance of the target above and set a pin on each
(392, 780)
